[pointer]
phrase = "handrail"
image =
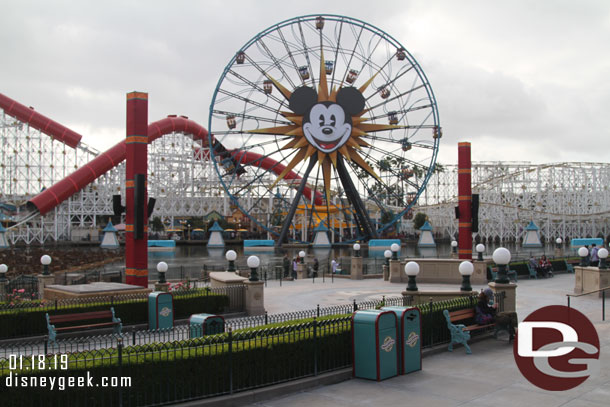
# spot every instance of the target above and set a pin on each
(603, 291)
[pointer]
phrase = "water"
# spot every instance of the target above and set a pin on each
(190, 260)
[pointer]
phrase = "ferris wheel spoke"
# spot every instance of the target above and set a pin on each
(276, 62)
(256, 87)
(306, 53)
(246, 100)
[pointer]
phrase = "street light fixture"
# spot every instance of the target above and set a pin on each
(602, 254)
(253, 263)
(387, 254)
(412, 270)
(501, 257)
(454, 245)
(480, 248)
(45, 261)
(302, 256)
(3, 270)
(583, 252)
(162, 268)
(231, 256)
(466, 269)
(395, 248)
(356, 248)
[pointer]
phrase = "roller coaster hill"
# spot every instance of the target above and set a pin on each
(54, 187)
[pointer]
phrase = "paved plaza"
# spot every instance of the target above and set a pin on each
(488, 377)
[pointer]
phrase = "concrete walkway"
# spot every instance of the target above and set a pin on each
(488, 377)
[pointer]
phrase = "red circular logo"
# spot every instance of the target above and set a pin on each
(556, 348)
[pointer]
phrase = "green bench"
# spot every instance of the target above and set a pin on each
(491, 274)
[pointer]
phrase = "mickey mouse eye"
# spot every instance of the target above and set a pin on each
(333, 120)
(321, 120)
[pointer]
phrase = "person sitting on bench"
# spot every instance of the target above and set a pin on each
(545, 267)
(485, 313)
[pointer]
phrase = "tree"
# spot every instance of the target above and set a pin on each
(419, 220)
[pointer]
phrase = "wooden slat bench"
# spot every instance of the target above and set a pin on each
(82, 316)
(460, 333)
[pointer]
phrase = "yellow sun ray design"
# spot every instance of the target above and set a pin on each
(350, 150)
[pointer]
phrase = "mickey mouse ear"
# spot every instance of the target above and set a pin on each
(350, 99)
(302, 99)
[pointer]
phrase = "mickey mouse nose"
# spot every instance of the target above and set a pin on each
(327, 130)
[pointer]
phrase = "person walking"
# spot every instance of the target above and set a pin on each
(316, 266)
(594, 256)
(286, 265)
(333, 266)
(294, 268)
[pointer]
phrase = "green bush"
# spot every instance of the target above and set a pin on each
(32, 321)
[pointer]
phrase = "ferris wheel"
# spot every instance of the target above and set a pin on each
(323, 121)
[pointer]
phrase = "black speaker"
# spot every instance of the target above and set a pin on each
(117, 208)
(151, 206)
(138, 206)
(475, 212)
(457, 212)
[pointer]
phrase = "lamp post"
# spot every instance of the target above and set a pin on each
(45, 261)
(231, 256)
(302, 256)
(466, 269)
(3, 270)
(454, 245)
(356, 248)
(162, 268)
(395, 248)
(583, 252)
(412, 270)
(387, 254)
(253, 263)
(559, 241)
(602, 254)
(501, 257)
(480, 248)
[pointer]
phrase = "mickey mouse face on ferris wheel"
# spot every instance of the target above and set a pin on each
(327, 125)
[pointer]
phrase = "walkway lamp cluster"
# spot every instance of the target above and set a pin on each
(3, 270)
(583, 252)
(480, 248)
(253, 262)
(387, 254)
(466, 269)
(411, 270)
(231, 256)
(394, 248)
(162, 269)
(45, 261)
(302, 256)
(454, 245)
(501, 257)
(602, 254)
(356, 248)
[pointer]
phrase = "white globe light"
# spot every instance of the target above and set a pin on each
(387, 254)
(162, 267)
(601, 253)
(411, 268)
(558, 240)
(231, 255)
(45, 260)
(501, 256)
(480, 248)
(301, 254)
(454, 243)
(466, 268)
(583, 252)
(395, 247)
(356, 246)
(253, 262)
(3, 268)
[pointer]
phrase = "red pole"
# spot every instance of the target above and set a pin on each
(464, 201)
(136, 249)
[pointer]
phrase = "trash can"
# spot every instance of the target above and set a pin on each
(160, 310)
(206, 324)
(374, 347)
(409, 328)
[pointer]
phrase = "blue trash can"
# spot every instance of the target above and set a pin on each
(206, 324)
(409, 327)
(374, 347)
(160, 310)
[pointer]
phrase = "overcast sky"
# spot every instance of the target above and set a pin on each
(521, 80)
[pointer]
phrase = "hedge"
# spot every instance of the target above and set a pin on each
(31, 321)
